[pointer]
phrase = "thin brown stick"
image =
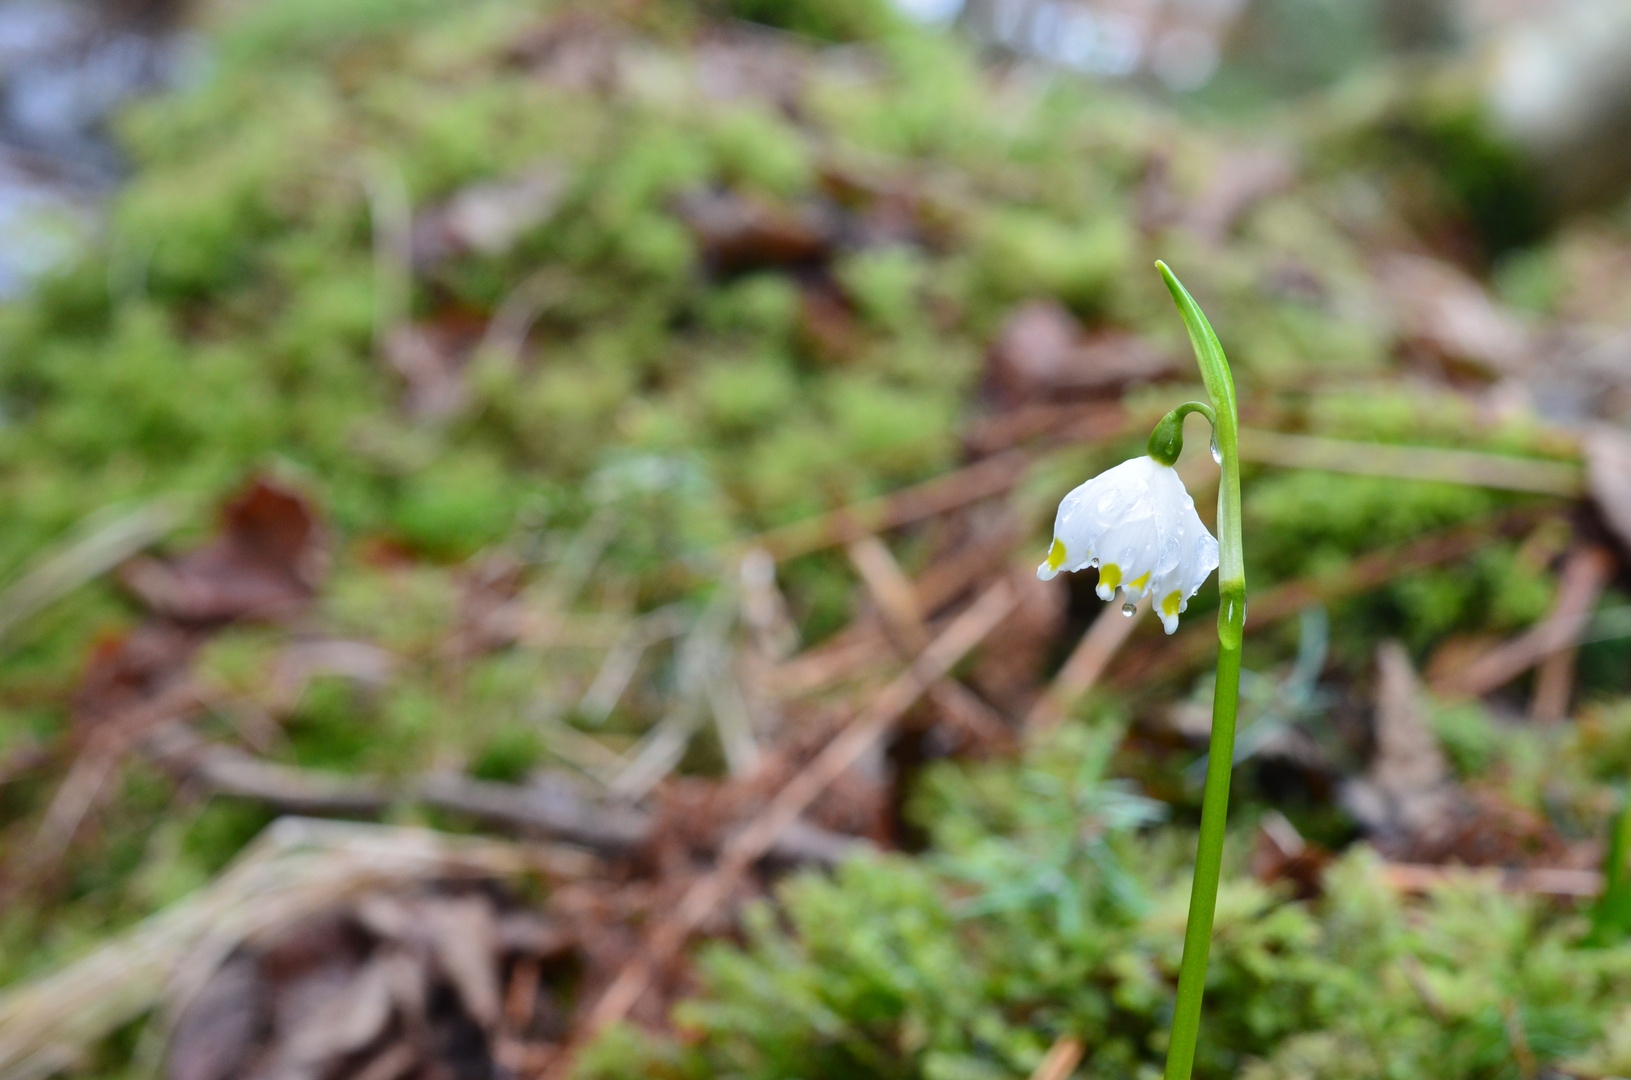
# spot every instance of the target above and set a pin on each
(1534, 881)
(1061, 1059)
(95, 767)
(1087, 662)
(861, 648)
(981, 480)
(890, 589)
(1554, 686)
(1584, 576)
(897, 599)
(556, 812)
(1055, 421)
(1190, 646)
(749, 845)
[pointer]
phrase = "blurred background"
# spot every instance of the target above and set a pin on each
(518, 523)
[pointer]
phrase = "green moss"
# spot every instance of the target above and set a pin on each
(509, 756)
(1024, 925)
(1025, 253)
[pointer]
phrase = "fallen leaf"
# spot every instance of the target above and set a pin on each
(1407, 790)
(213, 1037)
(342, 1015)
(465, 937)
(1241, 181)
(1448, 315)
(1043, 353)
(1279, 853)
(124, 673)
(738, 232)
(1412, 808)
(266, 563)
(462, 933)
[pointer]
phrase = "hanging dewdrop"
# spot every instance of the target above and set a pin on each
(1138, 525)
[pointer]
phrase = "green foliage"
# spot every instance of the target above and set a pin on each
(1048, 906)
(230, 322)
(832, 20)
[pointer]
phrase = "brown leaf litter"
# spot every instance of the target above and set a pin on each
(266, 563)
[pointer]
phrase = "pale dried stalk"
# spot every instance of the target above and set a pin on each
(751, 844)
(897, 599)
(1061, 1060)
(1499, 471)
(659, 751)
(1534, 881)
(296, 866)
(100, 544)
(1087, 662)
(1584, 576)
(981, 480)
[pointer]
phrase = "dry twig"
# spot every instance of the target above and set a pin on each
(1499, 471)
(981, 480)
(557, 811)
(1191, 645)
(749, 845)
(1086, 663)
(1534, 881)
(898, 601)
(1061, 1059)
(1584, 575)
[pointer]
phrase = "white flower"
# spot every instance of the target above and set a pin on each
(1138, 525)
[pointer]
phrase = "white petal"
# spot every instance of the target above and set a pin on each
(1138, 524)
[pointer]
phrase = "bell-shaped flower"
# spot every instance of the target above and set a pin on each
(1138, 525)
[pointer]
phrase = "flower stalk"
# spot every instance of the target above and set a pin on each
(1165, 442)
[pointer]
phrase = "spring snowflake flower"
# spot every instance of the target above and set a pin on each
(1138, 525)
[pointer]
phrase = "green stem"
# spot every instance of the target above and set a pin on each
(1203, 897)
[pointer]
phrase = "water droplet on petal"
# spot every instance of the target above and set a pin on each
(1217, 451)
(1129, 609)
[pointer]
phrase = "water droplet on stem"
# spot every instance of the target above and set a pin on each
(1217, 451)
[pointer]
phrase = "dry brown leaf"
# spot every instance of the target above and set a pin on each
(213, 1037)
(738, 232)
(1448, 315)
(266, 563)
(1406, 791)
(125, 673)
(1043, 352)
(339, 1016)
(1281, 854)
(464, 934)
(1242, 181)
